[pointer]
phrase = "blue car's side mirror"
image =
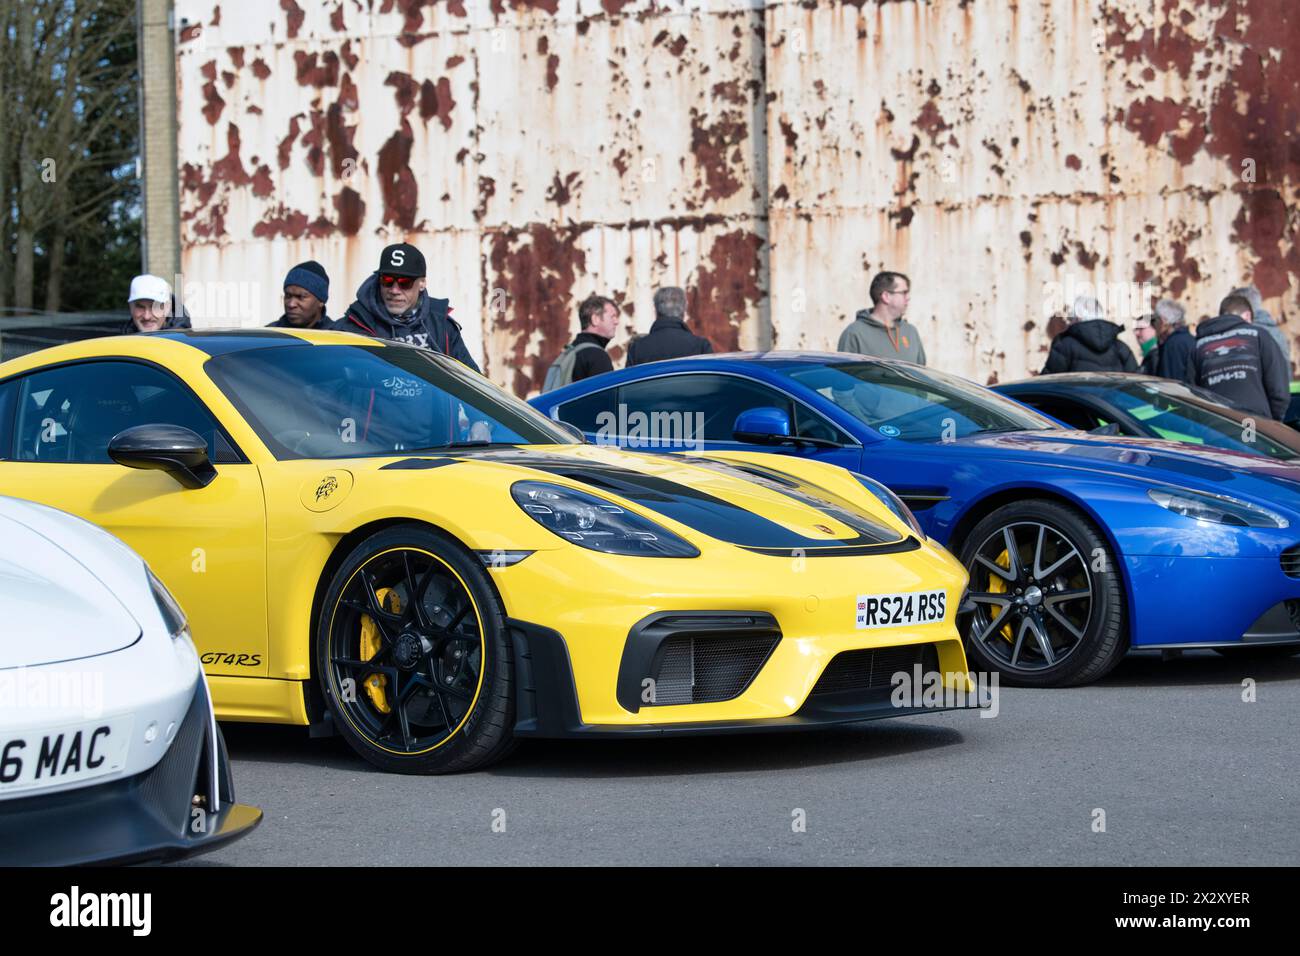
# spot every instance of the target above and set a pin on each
(762, 426)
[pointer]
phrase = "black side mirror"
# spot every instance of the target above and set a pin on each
(181, 453)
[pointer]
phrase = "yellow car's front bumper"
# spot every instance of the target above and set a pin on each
(721, 643)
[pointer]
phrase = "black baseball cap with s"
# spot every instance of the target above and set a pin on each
(401, 259)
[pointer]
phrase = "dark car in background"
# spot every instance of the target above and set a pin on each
(1143, 406)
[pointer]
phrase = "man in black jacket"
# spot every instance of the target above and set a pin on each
(1089, 343)
(1177, 344)
(393, 304)
(668, 338)
(598, 319)
(306, 290)
(1236, 360)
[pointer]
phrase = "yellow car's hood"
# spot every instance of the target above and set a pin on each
(761, 502)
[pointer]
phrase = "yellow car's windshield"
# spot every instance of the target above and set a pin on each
(346, 401)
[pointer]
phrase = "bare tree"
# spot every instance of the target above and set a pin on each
(67, 132)
(7, 27)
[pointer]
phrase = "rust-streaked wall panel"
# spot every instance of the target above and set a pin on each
(1001, 153)
(768, 155)
(536, 151)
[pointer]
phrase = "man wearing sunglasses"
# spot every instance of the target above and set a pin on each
(393, 304)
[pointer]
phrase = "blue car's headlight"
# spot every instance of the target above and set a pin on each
(1219, 509)
(597, 524)
(892, 502)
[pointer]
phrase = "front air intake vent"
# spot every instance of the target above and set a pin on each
(704, 670)
(874, 668)
(1291, 561)
(694, 657)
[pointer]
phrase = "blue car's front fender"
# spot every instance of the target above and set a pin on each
(1186, 581)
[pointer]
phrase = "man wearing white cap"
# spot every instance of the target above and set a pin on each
(152, 306)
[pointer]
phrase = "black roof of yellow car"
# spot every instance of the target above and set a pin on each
(221, 341)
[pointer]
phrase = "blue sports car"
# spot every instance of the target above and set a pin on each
(1079, 546)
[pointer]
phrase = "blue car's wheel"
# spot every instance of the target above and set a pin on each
(1048, 608)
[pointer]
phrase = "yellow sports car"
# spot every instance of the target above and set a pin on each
(370, 538)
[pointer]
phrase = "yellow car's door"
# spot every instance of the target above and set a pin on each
(208, 545)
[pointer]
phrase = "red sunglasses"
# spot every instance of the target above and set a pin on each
(402, 282)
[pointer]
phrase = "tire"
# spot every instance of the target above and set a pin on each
(1062, 562)
(1264, 652)
(380, 656)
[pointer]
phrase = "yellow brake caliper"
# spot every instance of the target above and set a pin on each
(376, 685)
(996, 586)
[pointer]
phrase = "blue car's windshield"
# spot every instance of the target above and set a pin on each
(917, 404)
(348, 401)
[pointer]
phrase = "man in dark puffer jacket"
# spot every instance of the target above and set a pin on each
(1089, 343)
(393, 304)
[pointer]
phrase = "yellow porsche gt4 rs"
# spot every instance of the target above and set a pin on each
(371, 537)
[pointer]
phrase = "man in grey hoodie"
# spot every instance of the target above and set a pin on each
(1265, 320)
(881, 330)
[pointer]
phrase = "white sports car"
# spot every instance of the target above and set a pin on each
(109, 751)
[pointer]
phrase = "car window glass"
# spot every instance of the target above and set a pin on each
(914, 404)
(345, 401)
(8, 391)
(585, 412)
(695, 406)
(71, 413)
(1178, 420)
(808, 424)
(1069, 413)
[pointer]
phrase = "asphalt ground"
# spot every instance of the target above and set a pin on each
(1162, 763)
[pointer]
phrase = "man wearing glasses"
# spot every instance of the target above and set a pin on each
(392, 304)
(882, 331)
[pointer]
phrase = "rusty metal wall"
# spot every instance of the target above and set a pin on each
(770, 156)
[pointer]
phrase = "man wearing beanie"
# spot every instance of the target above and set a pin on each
(393, 304)
(306, 290)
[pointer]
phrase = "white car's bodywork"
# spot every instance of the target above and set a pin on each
(98, 680)
(82, 646)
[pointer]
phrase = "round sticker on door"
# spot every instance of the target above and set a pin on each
(889, 431)
(323, 493)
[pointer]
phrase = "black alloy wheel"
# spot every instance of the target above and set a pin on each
(413, 655)
(1048, 606)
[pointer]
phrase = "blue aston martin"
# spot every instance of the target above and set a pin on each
(1079, 546)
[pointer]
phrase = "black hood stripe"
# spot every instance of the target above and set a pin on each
(710, 515)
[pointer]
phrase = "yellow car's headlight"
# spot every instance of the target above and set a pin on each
(892, 502)
(594, 523)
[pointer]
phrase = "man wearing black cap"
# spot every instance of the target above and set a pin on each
(393, 304)
(306, 290)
